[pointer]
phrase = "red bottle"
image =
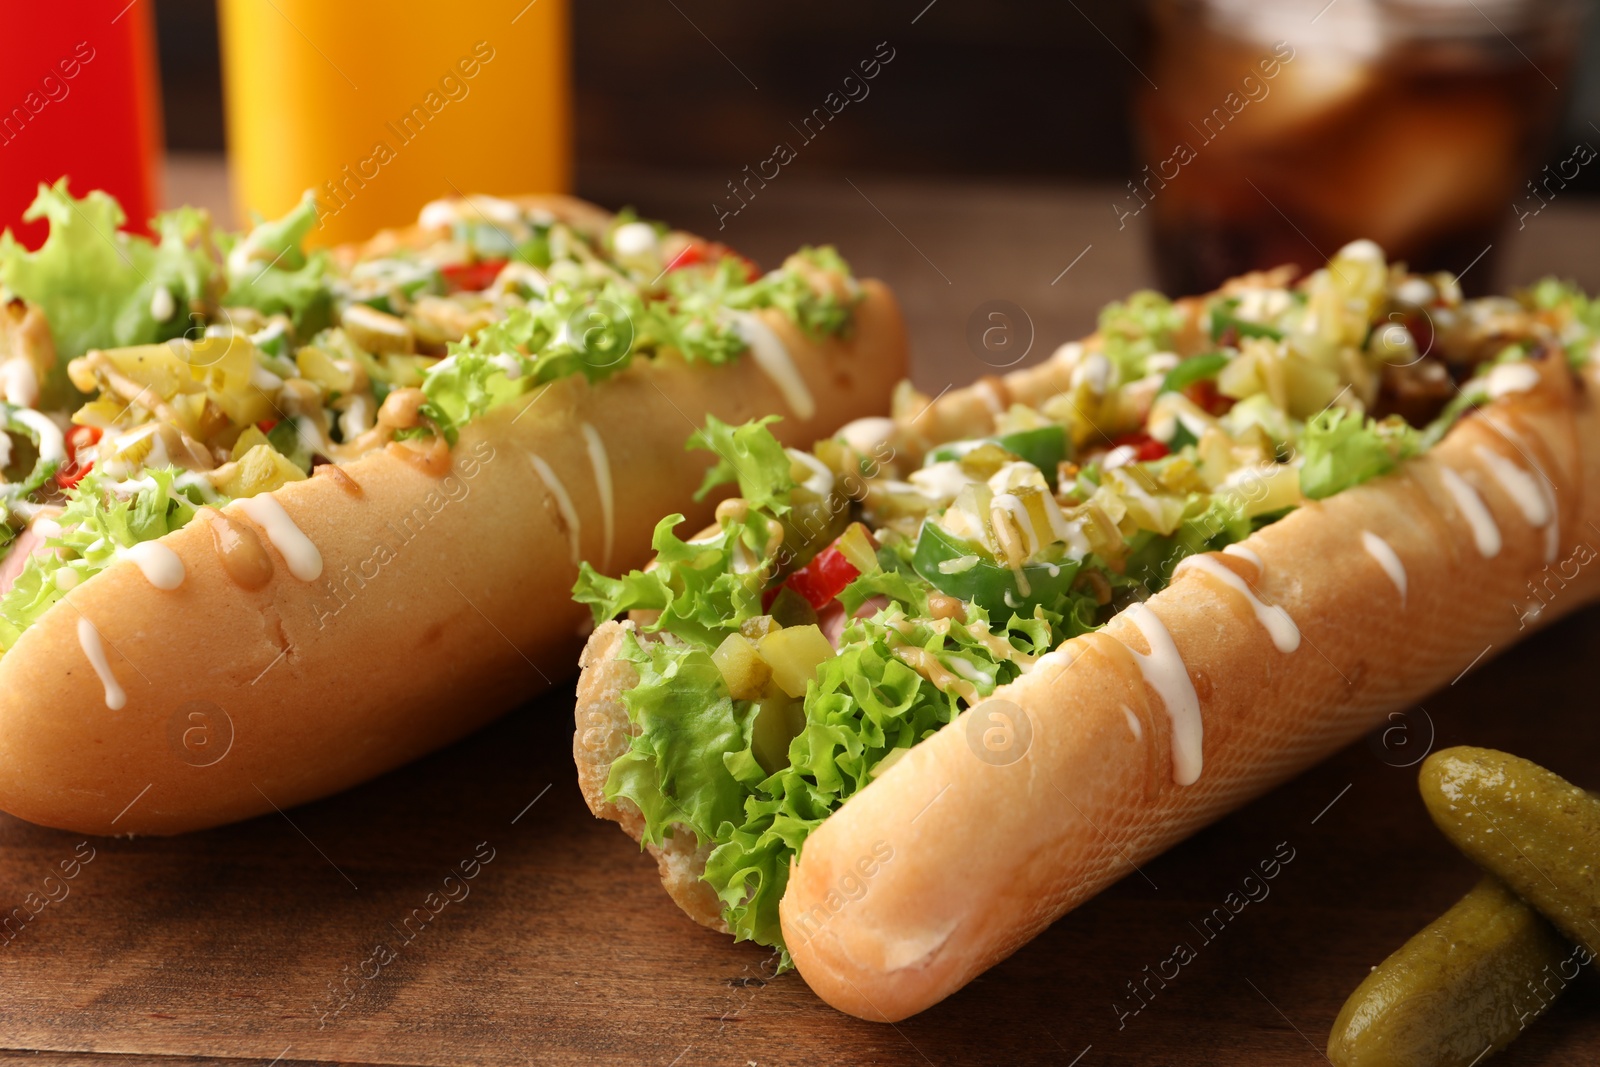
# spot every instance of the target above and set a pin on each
(79, 98)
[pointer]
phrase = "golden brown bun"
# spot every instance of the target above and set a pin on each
(442, 602)
(984, 856)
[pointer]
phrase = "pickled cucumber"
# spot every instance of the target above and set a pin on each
(1466, 984)
(1535, 831)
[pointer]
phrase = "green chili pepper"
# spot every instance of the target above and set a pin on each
(986, 583)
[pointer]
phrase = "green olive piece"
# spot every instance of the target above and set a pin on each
(1469, 982)
(1532, 829)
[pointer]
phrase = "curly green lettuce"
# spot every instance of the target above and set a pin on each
(95, 525)
(97, 285)
(597, 328)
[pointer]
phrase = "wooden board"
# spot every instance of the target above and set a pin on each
(237, 945)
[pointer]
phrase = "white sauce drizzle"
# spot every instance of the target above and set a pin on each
(1485, 534)
(1388, 559)
(768, 350)
(1245, 553)
(304, 561)
(1133, 723)
(1279, 626)
(1164, 671)
(1519, 485)
(52, 448)
(563, 504)
(19, 382)
(1013, 506)
(89, 639)
(161, 565)
(1552, 531)
(635, 239)
(602, 484)
(162, 305)
(1510, 378)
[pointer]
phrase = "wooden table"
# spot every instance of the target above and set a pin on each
(234, 946)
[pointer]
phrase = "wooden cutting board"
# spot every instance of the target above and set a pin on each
(260, 940)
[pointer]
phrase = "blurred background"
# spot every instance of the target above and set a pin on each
(1048, 157)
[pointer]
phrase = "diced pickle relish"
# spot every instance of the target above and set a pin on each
(203, 366)
(1179, 428)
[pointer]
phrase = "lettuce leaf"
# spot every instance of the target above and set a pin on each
(269, 270)
(95, 524)
(1136, 328)
(750, 455)
(673, 769)
(693, 584)
(96, 284)
(1579, 315)
(1343, 449)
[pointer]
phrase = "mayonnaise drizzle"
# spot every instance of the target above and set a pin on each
(1485, 534)
(161, 565)
(89, 639)
(1552, 530)
(1164, 671)
(1380, 550)
(52, 448)
(1519, 485)
(1279, 626)
(563, 504)
(1245, 553)
(304, 561)
(602, 486)
(1511, 378)
(768, 350)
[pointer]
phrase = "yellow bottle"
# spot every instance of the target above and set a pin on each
(379, 108)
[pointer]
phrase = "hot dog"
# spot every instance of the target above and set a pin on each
(314, 514)
(1049, 625)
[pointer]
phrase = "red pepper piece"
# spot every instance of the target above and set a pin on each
(824, 578)
(78, 439)
(471, 277)
(1145, 448)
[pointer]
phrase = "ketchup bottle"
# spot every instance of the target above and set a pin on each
(79, 98)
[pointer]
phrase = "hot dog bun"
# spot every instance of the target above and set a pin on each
(985, 855)
(443, 598)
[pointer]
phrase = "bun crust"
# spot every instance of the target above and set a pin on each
(442, 602)
(985, 856)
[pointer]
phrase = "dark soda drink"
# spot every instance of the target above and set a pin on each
(1277, 133)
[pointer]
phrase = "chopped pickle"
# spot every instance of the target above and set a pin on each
(260, 470)
(789, 608)
(857, 546)
(742, 667)
(794, 654)
(779, 720)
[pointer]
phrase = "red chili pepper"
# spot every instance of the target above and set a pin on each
(1145, 448)
(266, 425)
(1207, 398)
(78, 439)
(471, 277)
(824, 578)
